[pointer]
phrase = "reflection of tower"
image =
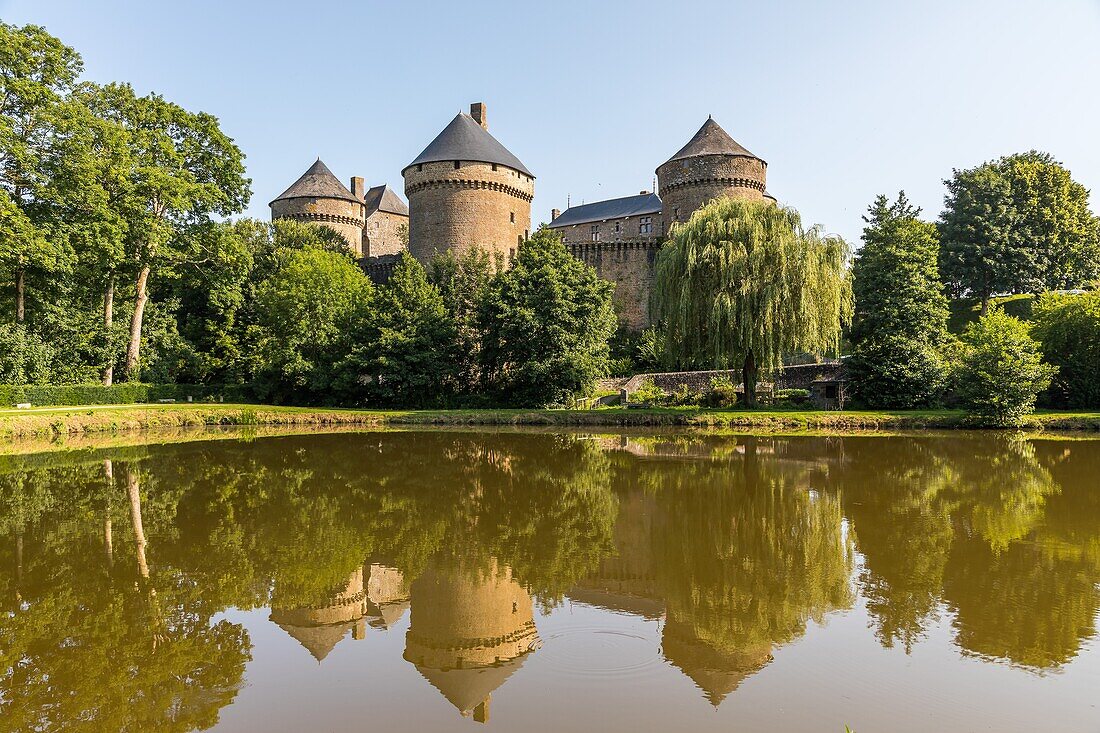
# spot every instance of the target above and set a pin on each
(387, 595)
(469, 631)
(716, 671)
(320, 627)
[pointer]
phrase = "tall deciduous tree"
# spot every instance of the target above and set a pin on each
(900, 321)
(183, 171)
(546, 323)
(742, 284)
(1017, 224)
(36, 72)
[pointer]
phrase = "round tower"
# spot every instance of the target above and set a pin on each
(467, 191)
(319, 197)
(711, 165)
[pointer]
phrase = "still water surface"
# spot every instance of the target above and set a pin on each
(422, 581)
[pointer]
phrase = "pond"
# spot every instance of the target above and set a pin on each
(553, 581)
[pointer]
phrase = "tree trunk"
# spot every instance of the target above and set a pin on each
(20, 294)
(985, 305)
(133, 351)
(748, 378)
(108, 322)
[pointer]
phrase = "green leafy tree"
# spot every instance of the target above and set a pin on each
(900, 320)
(1018, 224)
(742, 284)
(37, 71)
(404, 348)
(303, 310)
(547, 323)
(463, 280)
(182, 171)
(1068, 327)
(1002, 370)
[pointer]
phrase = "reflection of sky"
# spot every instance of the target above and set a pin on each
(600, 670)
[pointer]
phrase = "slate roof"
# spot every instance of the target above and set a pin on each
(464, 139)
(383, 198)
(318, 182)
(711, 140)
(643, 203)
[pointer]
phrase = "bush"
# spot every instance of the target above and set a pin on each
(648, 393)
(722, 393)
(1002, 371)
(1068, 327)
(792, 397)
(897, 373)
(126, 393)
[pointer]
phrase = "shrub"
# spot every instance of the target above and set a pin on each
(1002, 371)
(722, 393)
(648, 393)
(792, 397)
(125, 393)
(897, 373)
(1068, 327)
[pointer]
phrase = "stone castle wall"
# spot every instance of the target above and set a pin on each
(382, 234)
(477, 205)
(625, 229)
(687, 185)
(344, 217)
(630, 266)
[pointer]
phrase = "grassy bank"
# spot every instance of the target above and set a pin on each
(54, 422)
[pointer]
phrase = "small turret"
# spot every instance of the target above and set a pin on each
(319, 197)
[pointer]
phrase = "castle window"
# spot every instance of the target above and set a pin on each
(494, 166)
(513, 217)
(511, 254)
(457, 164)
(646, 227)
(420, 168)
(676, 214)
(618, 227)
(519, 240)
(595, 233)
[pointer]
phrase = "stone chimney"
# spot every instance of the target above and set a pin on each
(357, 187)
(554, 214)
(478, 112)
(643, 192)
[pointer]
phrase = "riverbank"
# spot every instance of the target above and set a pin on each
(56, 422)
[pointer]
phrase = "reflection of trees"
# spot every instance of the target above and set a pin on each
(745, 553)
(88, 645)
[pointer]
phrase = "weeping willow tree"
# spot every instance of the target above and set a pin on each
(742, 284)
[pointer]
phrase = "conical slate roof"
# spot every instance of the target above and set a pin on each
(465, 139)
(318, 640)
(382, 198)
(711, 140)
(318, 182)
(466, 688)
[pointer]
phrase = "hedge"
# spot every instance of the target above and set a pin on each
(126, 393)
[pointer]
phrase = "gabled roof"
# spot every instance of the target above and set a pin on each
(382, 198)
(318, 182)
(465, 139)
(643, 203)
(711, 140)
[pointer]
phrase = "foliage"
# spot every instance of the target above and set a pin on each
(24, 357)
(403, 349)
(463, 280)
(546, 324)
(741, 284)
(965, 311)
(126, 393)
(1002, 371)
(1014, 225)
(302, 314)
(900, 320)
(1068, 327)
(648, 393)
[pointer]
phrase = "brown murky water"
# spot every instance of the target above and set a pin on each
(440, 580)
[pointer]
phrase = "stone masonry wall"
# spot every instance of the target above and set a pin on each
(630, 266)
(480, 205)
(344, 217)
(687, 185)
(382, 234)
(625, 229)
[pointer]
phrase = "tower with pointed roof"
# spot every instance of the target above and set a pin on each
(320, 198)
(467, 191)
(712, 164)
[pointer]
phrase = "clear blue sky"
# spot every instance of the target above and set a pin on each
(843, 99)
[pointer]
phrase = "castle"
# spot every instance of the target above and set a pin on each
(467, 190)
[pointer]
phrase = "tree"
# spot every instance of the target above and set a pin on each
(36, 72)
(303, 311)
(463, 280)
(183, 170)
(546, 324)
(1018, 224)
(1002, 371)
(404, 348)
(1068, 327)
(900, 319)
(742, 284)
